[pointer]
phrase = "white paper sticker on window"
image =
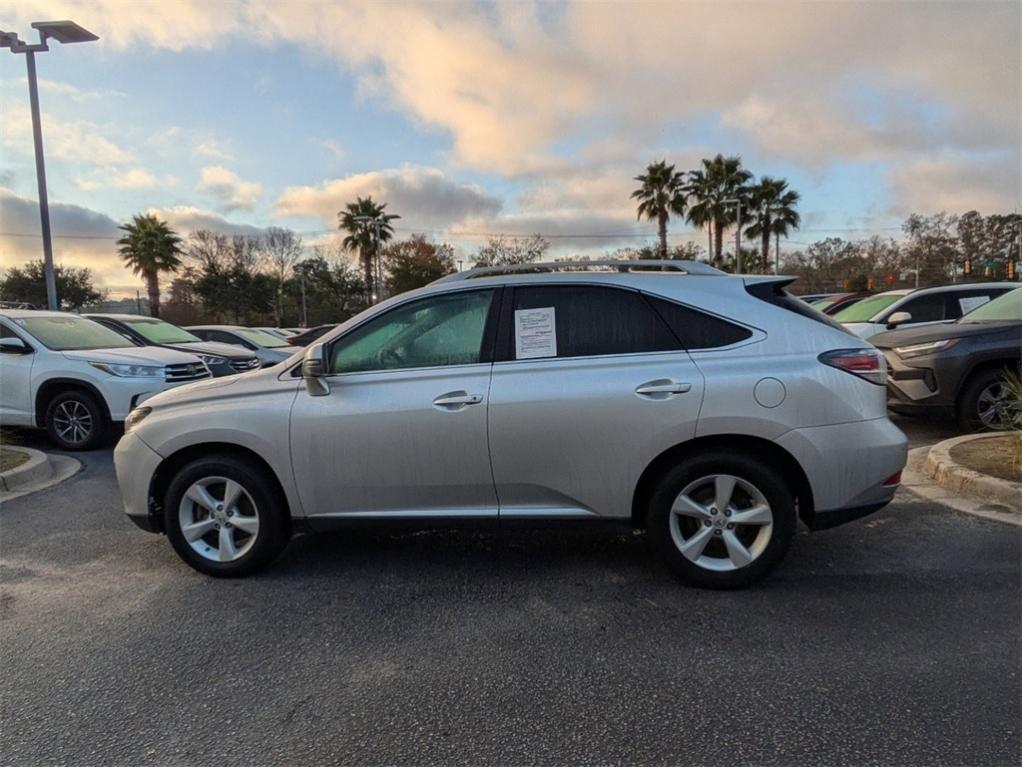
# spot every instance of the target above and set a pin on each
(535, 333)
(971, 302)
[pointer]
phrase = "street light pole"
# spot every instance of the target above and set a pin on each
(62, 32)
(40, 172)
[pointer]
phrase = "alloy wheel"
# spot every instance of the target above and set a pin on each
(72, 421)
(996, 408)
(721, 522)
(218, 519)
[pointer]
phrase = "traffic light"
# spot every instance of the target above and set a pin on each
(967, 267)
(1009, 270)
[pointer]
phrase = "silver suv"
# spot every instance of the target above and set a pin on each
(711, 410)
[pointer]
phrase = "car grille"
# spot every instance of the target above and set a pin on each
(187, 371)
(241, 366)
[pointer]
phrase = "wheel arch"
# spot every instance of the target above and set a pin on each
(52, 387)
(762, 449)
(981, 367)
(170, 465)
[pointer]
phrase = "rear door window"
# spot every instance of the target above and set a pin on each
(584, 321)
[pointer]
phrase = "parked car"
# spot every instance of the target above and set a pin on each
(811, 297)
(710, 409)
(280, 332)
(74, 377)
(958, 369)
(834, 304)
(268, 348)
(922, 306)
(306, 337)
(221, 359)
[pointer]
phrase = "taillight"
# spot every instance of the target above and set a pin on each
(865, 363)
(290, 341)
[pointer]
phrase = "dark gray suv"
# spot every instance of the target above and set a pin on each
(957, 368)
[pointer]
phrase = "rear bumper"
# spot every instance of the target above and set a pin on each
(847, 466)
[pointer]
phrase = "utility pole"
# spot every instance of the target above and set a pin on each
(305, 315)
(738, 234)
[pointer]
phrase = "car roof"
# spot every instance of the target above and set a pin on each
(17, 314)
(124, 317)
(216, 327)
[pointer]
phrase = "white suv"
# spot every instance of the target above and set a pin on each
(922, 306)
(710, 409)
(75, 377)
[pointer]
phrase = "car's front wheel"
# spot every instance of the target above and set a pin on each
(986, 402)
(75, 421)
(224, 518)
(722, 520)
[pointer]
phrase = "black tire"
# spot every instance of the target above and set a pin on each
(80, 405)
(274, 519)
(764, 478)
(967, 410)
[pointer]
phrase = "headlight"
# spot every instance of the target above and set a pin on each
(135, 418)
(130, 371)
(211, 360)
(918, 350)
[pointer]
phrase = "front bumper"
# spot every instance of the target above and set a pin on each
(135, 463)
(848, 466)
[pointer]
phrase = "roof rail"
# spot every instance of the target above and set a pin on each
(621, 265)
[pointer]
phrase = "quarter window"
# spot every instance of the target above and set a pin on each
(695, 329)
(437, 331)
(590, 321)
(929, 308)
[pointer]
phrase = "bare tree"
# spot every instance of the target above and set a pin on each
(502, 251)
(279, 250)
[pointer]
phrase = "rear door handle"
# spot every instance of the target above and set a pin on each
(662, 388)
(456, 400)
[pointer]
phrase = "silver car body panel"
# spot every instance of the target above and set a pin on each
(555, 437)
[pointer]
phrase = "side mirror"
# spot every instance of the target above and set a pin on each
(314, 367)
(898, 318)
(14, 346)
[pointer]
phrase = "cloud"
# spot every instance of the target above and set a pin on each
(212, 149)
(186, 218)
(132, 178)
(335, 149)
(426, 197)
(957, 183)
(233, 192)
(77, 141)
(68, 91)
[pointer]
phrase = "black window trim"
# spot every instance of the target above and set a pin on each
(486, 350)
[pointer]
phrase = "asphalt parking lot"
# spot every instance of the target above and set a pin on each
(894, 640)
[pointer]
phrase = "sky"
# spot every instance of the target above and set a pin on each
(475, 118)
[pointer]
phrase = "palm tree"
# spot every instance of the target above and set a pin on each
(661, 194)
(712, 190)
(772, 212)
(367, 227)
(149, 247)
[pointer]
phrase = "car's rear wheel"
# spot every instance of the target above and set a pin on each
(224, 518)
(75, 421)
(722, 520)
(986, 403)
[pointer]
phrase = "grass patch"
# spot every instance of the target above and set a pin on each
(11, 459)
(999, 456)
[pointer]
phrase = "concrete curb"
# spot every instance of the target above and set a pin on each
(916, 482)
(60, 467)
(956, 478)
(35, 470)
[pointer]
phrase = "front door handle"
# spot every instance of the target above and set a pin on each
(662, 388)
(456, 400)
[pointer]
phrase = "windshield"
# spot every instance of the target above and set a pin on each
(70, 333)
(160, 332)
(822, 303)
(1007, 307)
(867, 308)
(262, 338)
